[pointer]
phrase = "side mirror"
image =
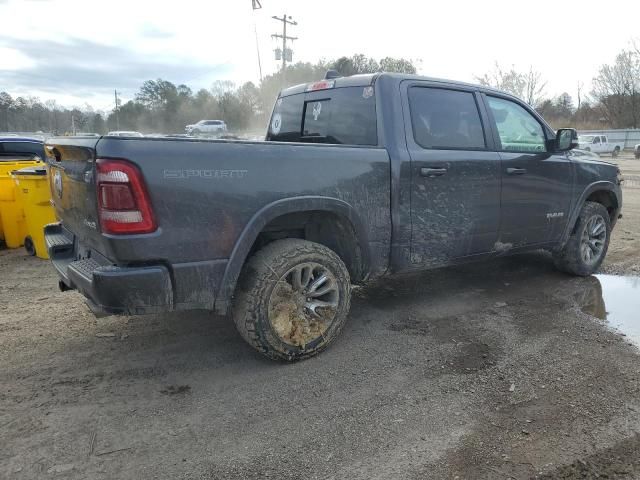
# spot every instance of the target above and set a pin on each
(566, 139)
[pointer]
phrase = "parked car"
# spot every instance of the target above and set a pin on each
(636, 151)
(124, 133)
(360, 177)
(600, 144)
(13, 144)
(208, 127)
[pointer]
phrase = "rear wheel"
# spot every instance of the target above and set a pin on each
(29, 246)
(293, 299)
(587, 246)
(616, 152)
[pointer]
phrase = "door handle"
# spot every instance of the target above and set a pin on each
(516, 171)
(432, 172)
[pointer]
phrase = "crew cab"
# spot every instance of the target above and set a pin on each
(600, 144)
(359, 177)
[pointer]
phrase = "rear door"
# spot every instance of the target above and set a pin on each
(536, 184)
(455, 175)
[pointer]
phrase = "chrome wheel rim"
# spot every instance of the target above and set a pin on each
(593, 239)
(303, 304)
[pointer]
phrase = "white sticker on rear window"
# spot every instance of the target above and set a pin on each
(367, 92)
(276, 123)
(317, 108)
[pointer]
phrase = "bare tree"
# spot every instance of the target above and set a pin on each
(534, 87)
(580, 88)
(617, 88)
(528, 86)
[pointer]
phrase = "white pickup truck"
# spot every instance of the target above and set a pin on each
(599, 144)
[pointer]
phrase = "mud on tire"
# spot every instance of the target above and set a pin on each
(273, 313)
(571, 259)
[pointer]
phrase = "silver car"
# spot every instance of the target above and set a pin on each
(207, 127)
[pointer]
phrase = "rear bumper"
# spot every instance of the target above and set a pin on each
(131, 290)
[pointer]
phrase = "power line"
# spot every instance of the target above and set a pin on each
(285, 21)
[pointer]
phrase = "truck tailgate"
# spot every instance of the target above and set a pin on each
(71, 171)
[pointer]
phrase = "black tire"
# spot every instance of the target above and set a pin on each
(587, 149)
(267, 269)
(29, 246)
(195, 132)
(616, 152)
(637, 155)
(571, 259)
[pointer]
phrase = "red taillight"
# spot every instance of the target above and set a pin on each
(123, 201)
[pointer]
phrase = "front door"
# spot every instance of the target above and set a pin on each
(455, 177)
(536, 184)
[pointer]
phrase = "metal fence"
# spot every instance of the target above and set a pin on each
(630, 137)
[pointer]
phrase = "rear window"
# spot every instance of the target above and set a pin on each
(22, 148)
(339, 116)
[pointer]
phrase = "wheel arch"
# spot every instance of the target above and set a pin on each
(310, 207)
(603, 192)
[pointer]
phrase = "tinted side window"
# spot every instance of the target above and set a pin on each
(445, 119)
(341, 116)
(286, 121)
(519, 131)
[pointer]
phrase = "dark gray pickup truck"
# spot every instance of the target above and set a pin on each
(360, 177)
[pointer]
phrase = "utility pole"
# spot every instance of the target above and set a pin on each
(285, 21)
(115, 92)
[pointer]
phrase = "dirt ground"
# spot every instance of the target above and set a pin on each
(489, 370)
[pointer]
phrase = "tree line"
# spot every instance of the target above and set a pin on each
(160, 106)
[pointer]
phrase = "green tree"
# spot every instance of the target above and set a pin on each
(99, 125)
(6, 103)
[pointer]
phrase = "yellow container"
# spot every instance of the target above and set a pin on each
(32, 187)
(11, 212)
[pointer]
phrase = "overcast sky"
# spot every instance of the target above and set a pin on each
(77, 51)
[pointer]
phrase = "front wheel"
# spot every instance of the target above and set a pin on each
(587, 246)
(293, 299)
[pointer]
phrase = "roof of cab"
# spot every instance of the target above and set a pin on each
(352, 81)
(364, 80)
(20, 139)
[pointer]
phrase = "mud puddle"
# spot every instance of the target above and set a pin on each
(615, 299)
